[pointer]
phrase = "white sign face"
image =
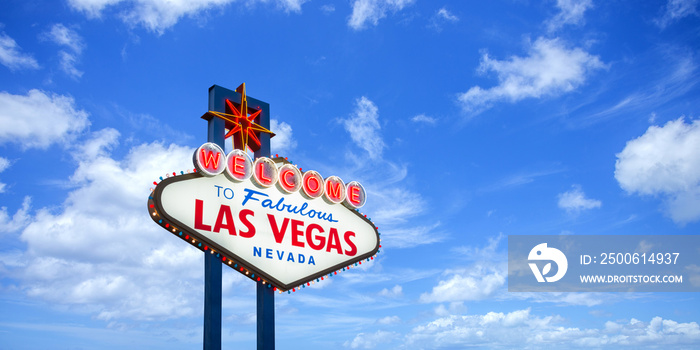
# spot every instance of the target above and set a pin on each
(285, 237)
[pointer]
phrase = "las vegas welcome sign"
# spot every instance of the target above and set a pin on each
(266, 218)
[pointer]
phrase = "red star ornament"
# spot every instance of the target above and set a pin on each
(242, 127)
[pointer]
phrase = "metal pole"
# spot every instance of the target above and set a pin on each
(266, 317)
(212, 265)
(265, 295)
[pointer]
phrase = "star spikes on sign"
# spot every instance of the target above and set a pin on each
(241, 125)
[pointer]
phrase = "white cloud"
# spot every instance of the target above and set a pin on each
(394, 292)
(422, 118)
(454, 308)
(291, 5)
(19, 220)
(68, 62)
(76, 255)
(283, 141)
(570, 12)
(519, 179)
(520, 329)
(4, 164)
(493, 329)
(370, 341)
(92, 8)
(486, 253)
(383, 175)
(37, 120)
(566, 299)
(447, 15)
(440, 17)
(665, 161)
(652, 118)
(485, 279)
(389, 320)
(159, 15)
(410, 236)
(389, 212)
(73, 42)
(550, 69)
(363, 126)
(98, 145)
(64, 36)
(575, 200)
(676, 10)
(11, 55)
(328, 9)
(476, 283)
(382, 178)
(155, 15)
(371, 11)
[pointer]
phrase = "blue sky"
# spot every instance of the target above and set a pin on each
(465, 121)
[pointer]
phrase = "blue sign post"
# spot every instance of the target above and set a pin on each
(212, 265)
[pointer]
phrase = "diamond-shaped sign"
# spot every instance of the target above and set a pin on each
(273, 235)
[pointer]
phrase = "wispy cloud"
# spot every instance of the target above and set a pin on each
(405, 205)
(550, 69)
(394, 207)
(422, 118)
(673, 80)
(4, 164)
(366, 12)
(389, 320)
(408, 236)
(570, 12)
(154, 15)
(157, 15)
(446, 15)
(676, 10)
(12, 57)
(485, 253)
(291, 5)
(73, 45)
(394, 292)
(328, 9)
(567, 299)
(64, 36)
(363, 126)
(519, 179)
(441, 17)
(18, 220)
